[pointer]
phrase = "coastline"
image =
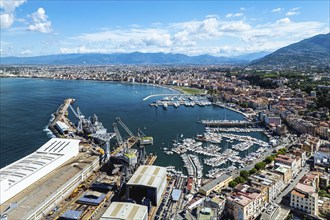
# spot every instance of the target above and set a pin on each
(131, 83)
(98, 80)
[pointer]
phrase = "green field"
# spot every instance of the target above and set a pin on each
(188, 90)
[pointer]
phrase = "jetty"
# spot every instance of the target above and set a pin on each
(218, 123)
(156, 95)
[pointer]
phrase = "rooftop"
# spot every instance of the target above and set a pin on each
(123, 210)
(71, 214)
(305, 188)
(147, 175)
(215, 182)
(45, 155)
(41, 190)
(296, 193)
(281, 169)
(176, 193)
(240, 199)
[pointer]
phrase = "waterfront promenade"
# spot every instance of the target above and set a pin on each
(157, 95)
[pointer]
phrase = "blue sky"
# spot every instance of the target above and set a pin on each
(221, 28)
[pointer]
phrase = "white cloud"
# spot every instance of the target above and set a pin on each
(234, 15)
(6, 20)
(291, 13)
(25, 52)
(277, 10)
(8, 9)
(11, 5)
(40, 22)
(210, 35)
(283, 21)
(242, 9)
(82, 49)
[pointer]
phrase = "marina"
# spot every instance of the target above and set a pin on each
(181, 100)
(207, 146)
(226, 122)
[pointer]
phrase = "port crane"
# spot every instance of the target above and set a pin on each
(118, 135)
(94, 129)
(125, 127)
(80, 117)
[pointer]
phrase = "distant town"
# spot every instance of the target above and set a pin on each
(291, 105)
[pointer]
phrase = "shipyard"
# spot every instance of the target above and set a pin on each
(213, 111)
(94, 174)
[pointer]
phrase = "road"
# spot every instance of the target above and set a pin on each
(250, 166)
(292, 184)
(260, 159)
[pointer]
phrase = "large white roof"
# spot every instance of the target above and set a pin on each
(147, 175)
(49, 152)
(125, 210)
(49, 156)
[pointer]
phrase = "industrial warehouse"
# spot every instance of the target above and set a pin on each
(148, 182)
(24, 172)
(45, 177)
(125, 210)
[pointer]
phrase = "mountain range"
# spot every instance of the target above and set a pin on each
(311, 51)
(130, 58)
(314, 51)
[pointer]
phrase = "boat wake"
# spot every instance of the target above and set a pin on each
(49, 132)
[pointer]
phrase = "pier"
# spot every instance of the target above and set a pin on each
(61, 116)
(214, 123)
(156, 95)
(222, 105)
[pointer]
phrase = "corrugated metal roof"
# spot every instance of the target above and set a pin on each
(124, 210)
(147, 175)
(45, 155)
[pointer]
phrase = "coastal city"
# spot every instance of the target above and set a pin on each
(164, 110)
(286, 174)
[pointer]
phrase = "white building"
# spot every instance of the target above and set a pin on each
(322, 157)
(125, 210)
(147, 181)
(304, 198)
(21, 174)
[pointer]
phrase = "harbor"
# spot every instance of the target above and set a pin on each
(207, 148)
(181, 100)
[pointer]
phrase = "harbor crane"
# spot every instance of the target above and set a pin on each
(80, 117)
(118, 135)
(144, 139)
(125, 127)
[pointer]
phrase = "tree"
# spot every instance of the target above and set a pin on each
(269, 159)
(239, 179)
(252, 171)
(282, 151)
(232, 183)
(260, 166)
(244, 174)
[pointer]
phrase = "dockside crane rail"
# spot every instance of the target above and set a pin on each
(118, 136)
(125, 127)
